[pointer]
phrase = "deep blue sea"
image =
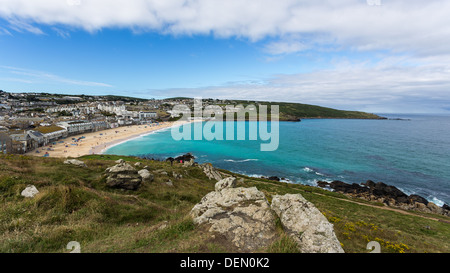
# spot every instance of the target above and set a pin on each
(412, 154)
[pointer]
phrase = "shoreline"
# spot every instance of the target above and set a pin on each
(98, 142)
(99, 150)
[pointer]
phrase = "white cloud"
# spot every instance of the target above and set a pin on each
(415, 30)
(34, 76)
(413, 25)
(22, 26)
(61, 33)
(390, 85)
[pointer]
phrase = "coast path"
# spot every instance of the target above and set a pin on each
(96, 142)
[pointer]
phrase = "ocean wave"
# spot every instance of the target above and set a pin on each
(438, 202)
(310, 170)
(237, 161)
(313, 182)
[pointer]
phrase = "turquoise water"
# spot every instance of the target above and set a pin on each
(413, 155)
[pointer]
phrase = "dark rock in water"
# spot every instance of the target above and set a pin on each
(274, 178)
(413, 198)
(383, 190)
(348, 188)
(387, 194)
(404, 119)
(185, 157)
(322, 184)
(446, 207)
(343, 187)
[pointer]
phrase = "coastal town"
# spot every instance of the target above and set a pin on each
(31, 123)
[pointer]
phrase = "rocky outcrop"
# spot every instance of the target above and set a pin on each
(30, 191)
(304, 222)
(75, 162)
(189, 163)
(185, 157)
(383, 193)
(123, 176)
(229, 182)
(146, 175)
(210, 171)
(241, 215)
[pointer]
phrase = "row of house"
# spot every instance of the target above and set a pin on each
(23, 141)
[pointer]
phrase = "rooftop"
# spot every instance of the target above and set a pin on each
(48, 129)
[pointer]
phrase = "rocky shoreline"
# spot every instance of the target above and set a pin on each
(370, 191)
(386, 194)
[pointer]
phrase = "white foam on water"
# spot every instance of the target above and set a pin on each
(238, 161)
(438, 202)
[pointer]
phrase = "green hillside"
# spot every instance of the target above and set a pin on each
(74, 204)
(291, 111)
(312, 111)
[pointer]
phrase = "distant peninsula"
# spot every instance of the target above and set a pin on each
(289, 111)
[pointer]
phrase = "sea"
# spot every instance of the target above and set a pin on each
(408, 151)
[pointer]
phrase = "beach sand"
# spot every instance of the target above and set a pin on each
(96, 142)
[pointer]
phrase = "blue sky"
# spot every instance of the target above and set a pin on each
(348, 54)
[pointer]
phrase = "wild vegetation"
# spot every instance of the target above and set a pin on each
(74, 204)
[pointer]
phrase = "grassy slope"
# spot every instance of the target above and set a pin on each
(74, 205)
(312, 111)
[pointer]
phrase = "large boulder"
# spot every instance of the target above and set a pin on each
(30, 191)
(304, 222)
(185, 157)
(229, 182)
(241, 215)
(123, 176)
(189, 163)
(146, 175)
(210, 171)
(75, 162)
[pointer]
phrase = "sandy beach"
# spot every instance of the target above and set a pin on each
(96, 142)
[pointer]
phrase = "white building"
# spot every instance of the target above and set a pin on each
(147, 115)
(76, 127)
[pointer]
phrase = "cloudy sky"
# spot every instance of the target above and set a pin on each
(370, 55)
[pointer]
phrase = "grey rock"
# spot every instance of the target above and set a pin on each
(229, 182)
(119, 161)
(122, 168)
(123, 176)
(305, 224)
(75, 162)
(435, 208)
(188, 163)
(242, 215)
(146, 175)
(176, 175)
(30, 191)
(210, 171)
